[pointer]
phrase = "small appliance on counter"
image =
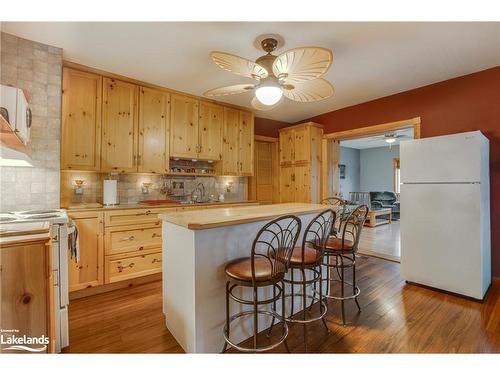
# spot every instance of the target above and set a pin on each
(110, 193)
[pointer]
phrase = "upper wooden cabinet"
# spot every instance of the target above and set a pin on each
(246, 143)
(230, 150)
(154, 111)
(210, 131)
(81, 120)
(183, 127)
(300, 157)
(238, 143)
(119, 126)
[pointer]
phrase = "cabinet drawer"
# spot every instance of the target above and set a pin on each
(124, 268)
(126, 239)
(134, 216)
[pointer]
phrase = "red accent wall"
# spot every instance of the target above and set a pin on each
(466, 103)
(269, 128)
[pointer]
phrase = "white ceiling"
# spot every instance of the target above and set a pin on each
(377, 141)
(371, 60)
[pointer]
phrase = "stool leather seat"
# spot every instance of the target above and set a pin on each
(311, 256)
(241, 269)
(335, 244)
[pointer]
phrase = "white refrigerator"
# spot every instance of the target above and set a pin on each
(445, 213)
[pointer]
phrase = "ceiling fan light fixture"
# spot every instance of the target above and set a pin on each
(269, 92)
(390, 140)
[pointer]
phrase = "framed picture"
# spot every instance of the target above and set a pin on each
(342, 171)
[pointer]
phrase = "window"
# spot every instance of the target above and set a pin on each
(397, 176)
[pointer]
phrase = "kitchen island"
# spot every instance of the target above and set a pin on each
(196, 246)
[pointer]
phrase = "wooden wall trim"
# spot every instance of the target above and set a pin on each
(263, 138)
(302, 124)
(377, 129)
(84, 68)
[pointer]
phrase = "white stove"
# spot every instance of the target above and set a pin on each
(60, 229)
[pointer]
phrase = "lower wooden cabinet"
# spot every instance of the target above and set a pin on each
(132, 238)
(120, 267)
(89, 271)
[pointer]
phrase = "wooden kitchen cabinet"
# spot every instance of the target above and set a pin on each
(231, 134)
(119, 124)
(238, 143)
(183, 127)
(154, 141)
(89, 271)
(300, 163)
(81, 120)
(27, 289)
(210, 131)
(246, 143)
(119, 268)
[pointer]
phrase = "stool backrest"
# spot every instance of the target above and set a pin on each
(275, 242)
(318, 231)
(353, 226)
(341, 213)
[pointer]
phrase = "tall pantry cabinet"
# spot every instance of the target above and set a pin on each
(300, 163)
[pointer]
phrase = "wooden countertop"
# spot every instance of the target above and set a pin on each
(219, 217)
(130, 206)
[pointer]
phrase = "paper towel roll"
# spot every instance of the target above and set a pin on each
(110, 195)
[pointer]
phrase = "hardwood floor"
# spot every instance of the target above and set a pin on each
(396, 318)
(383, 241)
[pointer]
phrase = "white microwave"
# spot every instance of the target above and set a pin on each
(15, 109)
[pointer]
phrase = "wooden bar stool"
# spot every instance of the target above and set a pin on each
(266, 266)
(344, 248)
(307, 259)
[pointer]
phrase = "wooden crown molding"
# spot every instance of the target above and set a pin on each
(377, 129)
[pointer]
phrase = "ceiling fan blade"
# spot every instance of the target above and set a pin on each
(310, 91)
(302, 64)
(262, 107)
(238, 65)
(229, 90)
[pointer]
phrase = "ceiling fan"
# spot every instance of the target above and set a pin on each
(293, 74)
(390, 138)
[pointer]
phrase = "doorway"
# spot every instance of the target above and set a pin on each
(362, 167)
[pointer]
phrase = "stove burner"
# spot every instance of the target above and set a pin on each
(6, 219)
(41, 216)
(40, 212)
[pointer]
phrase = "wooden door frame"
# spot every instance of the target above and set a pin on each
(358, 133)
(252, 194)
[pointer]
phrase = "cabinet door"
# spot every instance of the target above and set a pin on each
(302, 177)
(287, 142)
(263, 177)
(81, 120)
(210, 131)
(302, 145)
(230, 140)
(153, 131)
(287, 185)
(119, 122)
(89, 271)
(183, 127)
(246, 144)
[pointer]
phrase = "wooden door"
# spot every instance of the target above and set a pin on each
(183, 127)
(302, 145)
(287, 143)
(287, 184)
(154, 106)
(81, 120)
(246, 143)
(210, 131)
(264, 172)
(230, 151)
(302, 179)
(89, 271)
(119, 122)
(26, 288)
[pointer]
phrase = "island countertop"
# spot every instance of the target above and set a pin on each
(219, 217)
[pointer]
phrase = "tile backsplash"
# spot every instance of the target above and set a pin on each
(130, 187)
(37, 68)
